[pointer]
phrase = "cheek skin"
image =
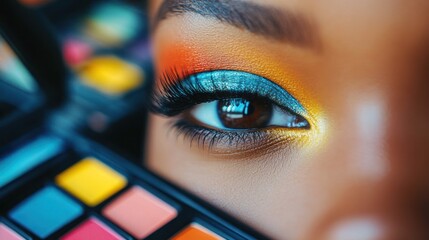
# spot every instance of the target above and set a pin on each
(189, 54)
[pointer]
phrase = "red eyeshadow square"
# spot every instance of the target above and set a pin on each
(139, 212)
(92, 229)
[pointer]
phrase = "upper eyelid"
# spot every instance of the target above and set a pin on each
(227, 80)
(283, 98)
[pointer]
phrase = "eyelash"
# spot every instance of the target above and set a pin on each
(172, 97)
(205, 137)
(176, 94)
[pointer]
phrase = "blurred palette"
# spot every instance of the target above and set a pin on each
(105, 45)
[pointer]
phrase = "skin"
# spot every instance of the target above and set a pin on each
(361, 172)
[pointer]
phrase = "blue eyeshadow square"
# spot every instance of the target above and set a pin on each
(46, 211)
(28, 157)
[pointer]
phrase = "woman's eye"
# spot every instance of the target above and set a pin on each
(241, 113)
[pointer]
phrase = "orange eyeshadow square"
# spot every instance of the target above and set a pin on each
(196, 231)
(139, 212)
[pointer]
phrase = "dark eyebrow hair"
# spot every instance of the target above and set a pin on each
(262, 20)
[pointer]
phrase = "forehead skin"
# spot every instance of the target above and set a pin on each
(370, 78)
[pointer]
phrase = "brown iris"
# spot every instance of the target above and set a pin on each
(239, 113)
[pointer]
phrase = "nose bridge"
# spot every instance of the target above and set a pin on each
(406, 146)
(385, 128)
(380, 141)
(405, 137)
(387, 136)
(385, 150)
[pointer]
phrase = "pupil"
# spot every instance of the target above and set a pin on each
(239, 113)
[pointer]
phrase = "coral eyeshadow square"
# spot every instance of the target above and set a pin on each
(139, 212)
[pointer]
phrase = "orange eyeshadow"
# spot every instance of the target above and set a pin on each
(196, 231)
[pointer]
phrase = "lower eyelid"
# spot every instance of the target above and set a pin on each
(220, 141)
(237, 144)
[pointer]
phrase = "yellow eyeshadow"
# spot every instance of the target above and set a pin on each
(111, 75)
(91, 181)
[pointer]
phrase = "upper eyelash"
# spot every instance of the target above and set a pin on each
(172, 95)
(175, 94)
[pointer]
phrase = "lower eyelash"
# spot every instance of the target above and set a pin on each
(211, 138)
(233, 144)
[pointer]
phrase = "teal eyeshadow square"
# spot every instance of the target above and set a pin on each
(46, 211)
(28, 157)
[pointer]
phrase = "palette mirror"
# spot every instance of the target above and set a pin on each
(15, 75)
(20, 94)
(32, 71)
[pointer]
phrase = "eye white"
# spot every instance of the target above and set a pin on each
(283, 118)
(207, 114)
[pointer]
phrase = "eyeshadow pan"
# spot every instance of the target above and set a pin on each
(91, 181)
(196, 231)
(139, 212)
(111, 75)
(8, 234)
(113, 23)
(76, 51)
(29, 156)
(46, 211)
(92, 229)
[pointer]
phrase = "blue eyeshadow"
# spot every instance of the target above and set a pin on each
(46, 211)
(27, 157)
(244, 82)
(176, 96)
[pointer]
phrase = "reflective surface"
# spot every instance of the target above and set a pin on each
(13, 71)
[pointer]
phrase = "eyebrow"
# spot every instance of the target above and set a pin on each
(261, 20)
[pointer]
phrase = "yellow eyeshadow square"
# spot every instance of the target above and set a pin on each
(111, 75)
(91, 181)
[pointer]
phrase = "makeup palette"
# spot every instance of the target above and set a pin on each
(56, 183)
(85, 190)
(104, 44)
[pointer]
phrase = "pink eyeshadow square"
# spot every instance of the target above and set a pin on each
(8, 234)
(92, 229)
(139, 212)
